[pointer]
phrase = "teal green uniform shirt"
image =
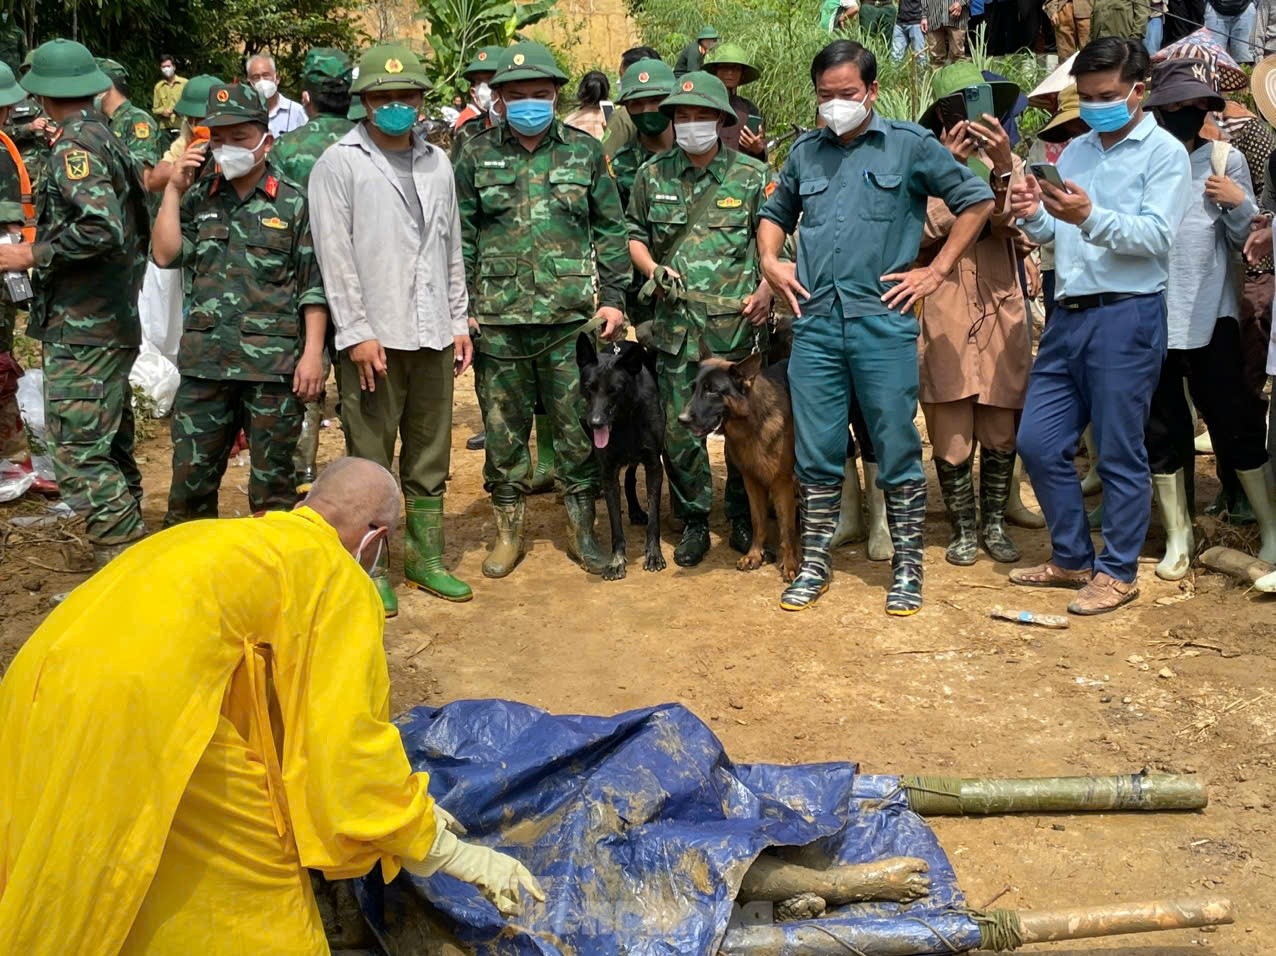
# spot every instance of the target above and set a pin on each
(863, 208)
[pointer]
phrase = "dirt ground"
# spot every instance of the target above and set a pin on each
(1184, 682)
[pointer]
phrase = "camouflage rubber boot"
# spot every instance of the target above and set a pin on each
(303, 459)
(820, 507)
(582, 546)
(906, 515)
(694, 544)
(959, 501)
(381, 578)
(996, 471)
(507, 550)
(423, 552)
(542, 479)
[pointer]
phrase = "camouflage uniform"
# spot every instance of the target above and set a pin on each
(463, 134)
(12, 443)
(718, 260)
(252, 269)
(33, 143)
(139, 132)
(92, 229)
(541, 230)
(294, 154)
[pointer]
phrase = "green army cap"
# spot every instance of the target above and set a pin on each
(484, 61)
(10, 91)
(731, 54)
(64, 69)
(113, 69)
(527, 61)
(707, 33)
(327, 68)
(230, 104)
(193, 103)
(389, 66)
(701, 89)
(645, 79)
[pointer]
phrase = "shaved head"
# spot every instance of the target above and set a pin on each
(353, 495)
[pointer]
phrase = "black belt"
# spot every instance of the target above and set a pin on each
(1080, 303)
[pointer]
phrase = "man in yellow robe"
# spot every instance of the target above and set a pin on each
(200, 722)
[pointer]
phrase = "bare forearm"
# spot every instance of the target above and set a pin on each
(641, 256)
(316, 319)
(770, 241)
(166, 234)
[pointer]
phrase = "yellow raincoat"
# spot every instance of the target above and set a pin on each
(188, 731)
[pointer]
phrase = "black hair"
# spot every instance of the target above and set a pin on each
(168, 57)
(634, 54)
(845, 51)
(121, 86)
(1113, 53)
(328, 103)
(594, 88)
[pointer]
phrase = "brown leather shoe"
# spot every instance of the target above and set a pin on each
(1105, 593)
(1050, 575)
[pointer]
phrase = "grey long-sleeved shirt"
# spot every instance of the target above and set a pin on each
(386, 276)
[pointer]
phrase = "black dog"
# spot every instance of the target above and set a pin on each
(624, 416)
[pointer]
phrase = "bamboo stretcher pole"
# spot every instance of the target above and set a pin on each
(1118, 919)
(951, 796)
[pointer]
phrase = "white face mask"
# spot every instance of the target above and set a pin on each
(696, 138)
(842, 116)
(483, 96)
(236, 161)
(376, 555)
(168, 72)
(266, 88)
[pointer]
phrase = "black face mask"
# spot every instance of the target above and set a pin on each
(1183, 124)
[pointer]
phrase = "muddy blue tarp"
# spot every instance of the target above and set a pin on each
(640, 828)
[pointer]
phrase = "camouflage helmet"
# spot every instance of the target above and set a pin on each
(484, 61)
(646, 79)
(731, 54)
(10, 91)
(327, 69)
(389, 67)
(527, 61)
(193, 103)
(114, 70)
(701, 89)
(64, 69)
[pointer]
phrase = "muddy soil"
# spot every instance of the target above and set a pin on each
(1183, 682)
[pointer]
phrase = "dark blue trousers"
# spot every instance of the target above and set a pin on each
(1097, 365)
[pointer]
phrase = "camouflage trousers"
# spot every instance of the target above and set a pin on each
(686, 457)
(89, 410)
(207, 416)
(12, 436)
(508, 389)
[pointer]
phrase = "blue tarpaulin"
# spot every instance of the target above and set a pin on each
(640, 828)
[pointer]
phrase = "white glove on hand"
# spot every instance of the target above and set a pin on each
(445, 821)
(499, 877)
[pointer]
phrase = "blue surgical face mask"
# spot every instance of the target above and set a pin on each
(394, 119)
(529, 117)
(1106, 117)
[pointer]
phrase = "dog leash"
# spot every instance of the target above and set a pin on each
(595, 323)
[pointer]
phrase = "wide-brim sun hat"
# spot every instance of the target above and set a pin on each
(731, 54)
(1204, 45)
(1179, 81)
(960, 76)
(64, 69)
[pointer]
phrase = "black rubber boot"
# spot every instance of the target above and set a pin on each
(694, 544)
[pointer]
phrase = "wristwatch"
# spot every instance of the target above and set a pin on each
(1002, 180)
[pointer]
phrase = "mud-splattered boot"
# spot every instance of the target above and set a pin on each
(906, 515)
(423, 552)
(542, 478)
(996, 471)
(959, 501)
(380, 575)
(510, 511)
(582, 546)
(820, 506)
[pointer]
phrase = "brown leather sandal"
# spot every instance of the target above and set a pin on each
(1105, 593)
(1050, 575)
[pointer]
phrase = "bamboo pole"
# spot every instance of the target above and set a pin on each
(1117, 919)
(951, 796)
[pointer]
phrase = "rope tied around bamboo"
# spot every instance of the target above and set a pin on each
(932, 796)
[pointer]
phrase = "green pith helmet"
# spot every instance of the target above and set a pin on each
(230, 104)
(959, 76)
(731, 54)
(701, 89)
(327, 68)
(389, 67)
(193, 103)
(484, 61)
(645, 79)
(10, 92)
(114, 70)
(527, 61)
(64, 69)
(357, 111)
(707, 33)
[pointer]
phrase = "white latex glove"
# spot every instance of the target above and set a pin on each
(445, 821)
(499, 877)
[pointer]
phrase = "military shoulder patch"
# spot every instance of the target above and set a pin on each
(274, 222)
(730, 203)
(142, 130)
(76, 163)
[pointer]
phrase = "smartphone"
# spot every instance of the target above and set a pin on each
(753, 124)
(608, 107)
(1049, 173)
(978, 102)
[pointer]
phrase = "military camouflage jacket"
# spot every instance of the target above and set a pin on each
(466, 132)
(11, 210)
(718, 258)
(294, 154)
(32, 142)
(534, 224)
(625, 165)
(92, 232)
(251, 268)
(138, 130)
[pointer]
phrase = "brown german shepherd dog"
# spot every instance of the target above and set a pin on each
(750, 406)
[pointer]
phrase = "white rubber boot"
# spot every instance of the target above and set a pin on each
(1091, 484)
(1204, 444)
(1171, 495)
(879, 534)
(850, 519)
(1018, 513)
(1257, 483)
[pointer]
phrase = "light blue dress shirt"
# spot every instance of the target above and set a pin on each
(1140, 190)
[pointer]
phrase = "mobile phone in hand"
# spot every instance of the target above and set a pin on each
(1048, 173)
(753, 124)
(978, 102)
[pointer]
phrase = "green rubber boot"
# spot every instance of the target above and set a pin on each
(423, 552)
(542, 479)
(582, 546)
(510, 511)
(381, 578)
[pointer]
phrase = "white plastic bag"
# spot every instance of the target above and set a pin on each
(157, 377)
(31, 401)
(14, 481)
(160, 308)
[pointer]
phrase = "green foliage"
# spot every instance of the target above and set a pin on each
(459, 27)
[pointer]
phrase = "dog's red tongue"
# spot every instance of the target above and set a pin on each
(601, 437)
